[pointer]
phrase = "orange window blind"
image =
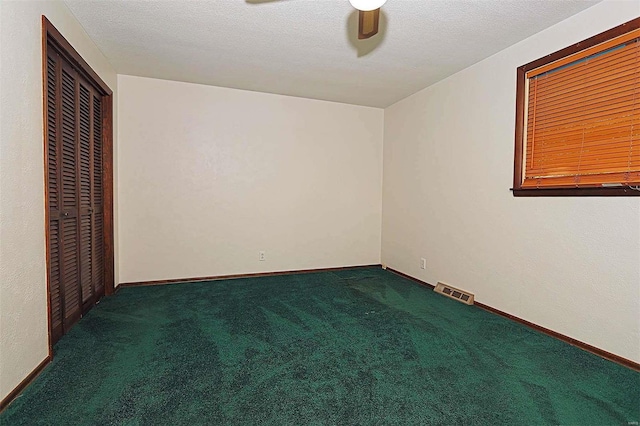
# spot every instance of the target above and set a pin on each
(582, 116)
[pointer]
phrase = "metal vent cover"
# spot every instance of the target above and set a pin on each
(454, 293)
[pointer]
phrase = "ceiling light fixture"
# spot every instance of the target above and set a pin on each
(368, 16)
(367, 5)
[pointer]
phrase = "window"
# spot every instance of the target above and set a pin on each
(578, 118)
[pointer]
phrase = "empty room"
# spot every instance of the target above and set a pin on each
(330, 212)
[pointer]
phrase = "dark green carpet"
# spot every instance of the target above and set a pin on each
(360, 346)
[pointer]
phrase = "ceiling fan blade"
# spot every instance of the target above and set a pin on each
(368, 23)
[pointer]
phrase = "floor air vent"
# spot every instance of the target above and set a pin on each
(454, 293)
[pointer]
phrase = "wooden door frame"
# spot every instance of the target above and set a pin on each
(51, 37)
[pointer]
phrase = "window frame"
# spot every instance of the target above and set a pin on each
(518, 170)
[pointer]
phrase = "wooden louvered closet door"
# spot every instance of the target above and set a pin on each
(74, 194)
(97, 199)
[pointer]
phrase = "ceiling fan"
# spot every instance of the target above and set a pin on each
(369, 16)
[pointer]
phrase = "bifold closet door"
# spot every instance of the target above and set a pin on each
(54, 199)
(74, 139)
(97, 199)
(90, 181)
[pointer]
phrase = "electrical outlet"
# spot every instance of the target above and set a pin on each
(423, 263)
(261, 256)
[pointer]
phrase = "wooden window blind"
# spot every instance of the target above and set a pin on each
(581, 118)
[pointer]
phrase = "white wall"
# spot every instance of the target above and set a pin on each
(210, 176)
(23, 297)
(568, 264)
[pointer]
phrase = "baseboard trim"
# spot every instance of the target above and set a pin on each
(24, 383)
(409, 277)
(570, 340)
(573, 342)
(237, 276)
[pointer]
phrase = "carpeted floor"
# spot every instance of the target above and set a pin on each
(361, 346)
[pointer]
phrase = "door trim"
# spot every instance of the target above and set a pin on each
(51, 37)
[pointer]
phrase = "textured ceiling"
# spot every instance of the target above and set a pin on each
(309, 48)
